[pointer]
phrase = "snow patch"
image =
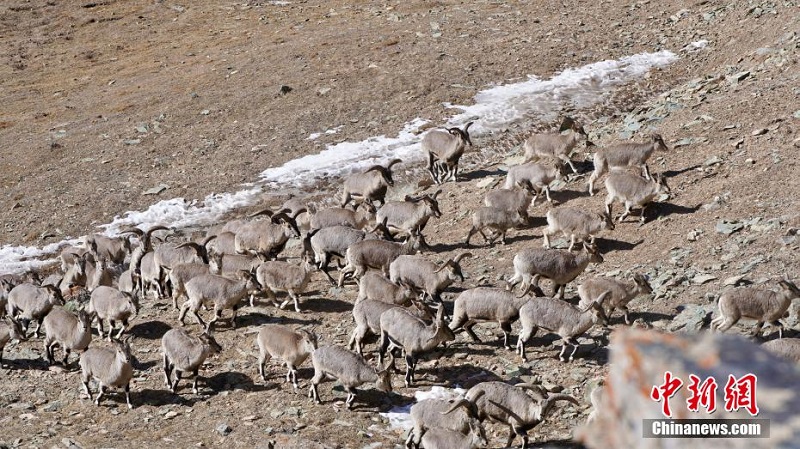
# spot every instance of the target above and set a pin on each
(494, 109)
(400, 417)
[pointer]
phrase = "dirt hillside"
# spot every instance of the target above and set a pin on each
(104, 100)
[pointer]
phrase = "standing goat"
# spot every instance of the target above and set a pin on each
(486, 304)
(62, 328)
(370, 186)
(518, 198)
(539, 177)
(627, 154)
(185, 353)
(279, 276)
(560, 266)
(410, 216)
(511, 405)
(223, 293)
(402, 329)
(764, 306)
(557, 146)
(633, 190)
(375, 286)
(324, 243)
(575, 223)
(376, 254)
(433, 415)
(423, 275)
(10, 329)
(621, 292)
(108, 303)
(367, 316)
(293, 347)
(110, 367)
(337, 216)
(349, 368)
(266, 238)
(29, 302)
(498, 221)
(561, 317)
(444, 149)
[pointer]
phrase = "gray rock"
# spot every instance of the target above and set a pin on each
(728, 227)
(156, 190)
(224, 429)
(692, 318)
(69, 443)
(639, 360)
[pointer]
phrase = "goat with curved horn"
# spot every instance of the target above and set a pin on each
(370, 186)
(444, 149)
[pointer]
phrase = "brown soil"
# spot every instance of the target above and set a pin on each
(202, 81)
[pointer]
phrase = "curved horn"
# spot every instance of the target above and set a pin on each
(379, 168)
(466, 127)
(538, 392)
(133, 230)
(275, 218)
(208, 239)
(268, 212)
(156, 228)
(393, 162)
(200, 250)
(548, 403)
(461, 256)
(299, 211)
(435, 194)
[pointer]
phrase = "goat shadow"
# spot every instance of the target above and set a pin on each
(232, 380)
(667, 209)
(481, 173)
(562, 196)
(162, 397)
(673, 173)
(150, 330)
(465, 375)
(608, 245)
(255, 319)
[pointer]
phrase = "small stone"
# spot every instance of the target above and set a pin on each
(733, 280)
(738, 143)
(750, 161)
(205, 112)
(70, 443)
(713, 160)
(738, 77)
(759, 132)
(156, 190)
(53, 406)
(728, 227)
(132, 141)
(224, 429)
(703, 278)
(693, 235)
(322, 91)
(171, 414)
(284, 89)
(486, 182)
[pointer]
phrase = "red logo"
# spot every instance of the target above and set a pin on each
(739, 393)
(702, 394)
(665, 391)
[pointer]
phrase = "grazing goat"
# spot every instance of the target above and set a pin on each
(627, 154)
